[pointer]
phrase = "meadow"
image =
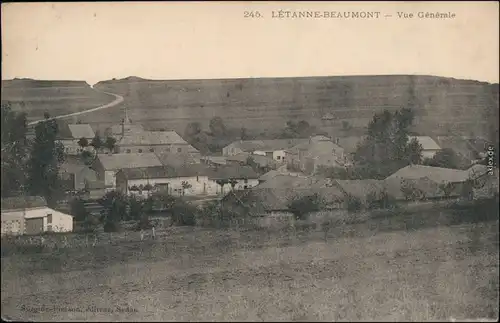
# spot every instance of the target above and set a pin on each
(406, 267)
(55, 97)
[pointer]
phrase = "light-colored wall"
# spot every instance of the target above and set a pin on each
(169, 148)
(71, 147)
(12, 222)
(201, 185)
(230, 150)
(110, 178)
(60, 222)
(429, 153)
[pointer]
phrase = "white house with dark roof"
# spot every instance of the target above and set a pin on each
(193, 180)
(70, 134)
(107, 165)
(30, 215)
(155, 142)
(274, 148)
(429, 146)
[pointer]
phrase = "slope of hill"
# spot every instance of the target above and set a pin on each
(36, 97)
(267, 103)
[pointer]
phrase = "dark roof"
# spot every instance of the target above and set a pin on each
(273, 199)
(163, 171)
(267, 145)
(232, 172)
(23, 202)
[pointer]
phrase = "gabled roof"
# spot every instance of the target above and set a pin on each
(22, 202)
(133, 160)
(427, 142)
(220, 160)
(81, 131)
(394, 185)
(259, 159)
(156, 172)
(360, 188)
(146, 138)
(177, 159)
(266, 145)
(232, 172)
(437, 174)
(116, 130)
(269, 175)
(275, 199)
(350, 144)
(295, 182)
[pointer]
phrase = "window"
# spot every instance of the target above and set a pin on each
(179, 150)
(197, 179)
(128, 151)
(49, 218)
(278, 157)
(151, 150)
(139, 150)
(246, 180)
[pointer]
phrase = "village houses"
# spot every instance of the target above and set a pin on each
(317, 151)
(30, 215)
(274, 149)
(190, 180)
(429, 146)
(107, 165)
(70, 134)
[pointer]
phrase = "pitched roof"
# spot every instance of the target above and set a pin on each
(163, 172)
(350, 144)
(220, 160)
(437, 174)
(269, 175)
(273, 199)
(295, 182)
(177, 159)
(321, 148)
(427, 142)
(267, 145)
(259, 159)
(360, 188)
(133, 160)
(309, 143)
(22, 202)
(394, 185)
(116, 130)
(81, 131)
(232, 172)
(147, 138)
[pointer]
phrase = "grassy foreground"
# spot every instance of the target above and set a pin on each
(358, 273)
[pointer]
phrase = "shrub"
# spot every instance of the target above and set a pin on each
(353, 203)
(183, 213)
(301, 206)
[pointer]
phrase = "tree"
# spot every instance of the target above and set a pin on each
(414, 152)
(193, 130)
(386, 148)
(221, 183)
(110, 144)
(97, 142)
(301, 206)
(87, 157)
(83, 142)
(114, 210)
(217, 127)
(14, 151)
(243, 134)
(46, 156)
(446, 158)
(354, 204)
(185, 186)
(233, 183)
(80, 212)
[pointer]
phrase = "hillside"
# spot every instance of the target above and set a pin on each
(267, 103)
(35, 97)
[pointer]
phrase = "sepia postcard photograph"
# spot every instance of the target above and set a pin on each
(250, 161)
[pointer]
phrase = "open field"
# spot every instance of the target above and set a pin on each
(267, 103)
(396, 270)
(55, 97)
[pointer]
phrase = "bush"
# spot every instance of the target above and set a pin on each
(301, 206)
(353, 203)
(380, 200)
(111, 226)
(183, 213)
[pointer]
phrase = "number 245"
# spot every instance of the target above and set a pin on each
(251, 14)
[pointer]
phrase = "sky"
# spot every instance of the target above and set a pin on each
(99, 41)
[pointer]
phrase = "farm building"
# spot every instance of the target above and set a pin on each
(274, 148)
(429, 146)
(30, 215)
(260, 160)
(214, 160)
(70, 134)
(155, 142)
(80, 173)
(177, 159)
(190, 180)
(318, 151)
(106, 165)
